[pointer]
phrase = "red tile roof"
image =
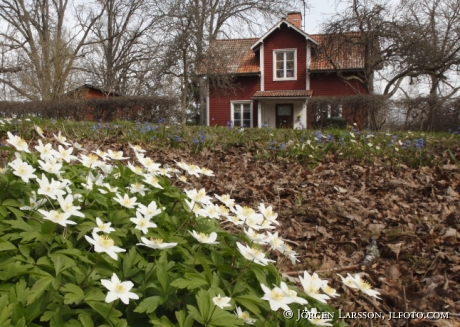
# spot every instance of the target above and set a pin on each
(282, 94)
(240, 59)
(233, 56)
(345, 57)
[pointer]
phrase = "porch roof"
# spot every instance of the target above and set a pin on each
(301, 94)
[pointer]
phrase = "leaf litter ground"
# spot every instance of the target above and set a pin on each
(334, 213)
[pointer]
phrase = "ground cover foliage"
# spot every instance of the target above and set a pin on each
(339, 195)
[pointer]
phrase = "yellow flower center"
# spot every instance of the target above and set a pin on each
(119, 288)
(277, 295)
(365, 285)
(223, 210)
(157, 241)
(248, 211)
(106, 241)
(203, 236)
(257, 252)
(93, 158)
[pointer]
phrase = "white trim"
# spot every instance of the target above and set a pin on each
(232, 104)
(278, 25)
(281, 98)
(306, 113)
(259, 114)
(207, 103)
(307, 82)
(294, 78)
(262, 73)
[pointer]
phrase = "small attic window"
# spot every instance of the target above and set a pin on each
(284, 64)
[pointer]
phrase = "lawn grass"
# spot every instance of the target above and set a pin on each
(308, 147)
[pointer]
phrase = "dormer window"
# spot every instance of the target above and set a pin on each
(284, 65)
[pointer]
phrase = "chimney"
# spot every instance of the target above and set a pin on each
(295, 18)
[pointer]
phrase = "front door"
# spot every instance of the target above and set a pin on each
(284, 116)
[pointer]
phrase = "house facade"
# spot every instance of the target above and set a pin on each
(275, 75)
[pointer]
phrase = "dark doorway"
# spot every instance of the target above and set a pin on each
(284, 116)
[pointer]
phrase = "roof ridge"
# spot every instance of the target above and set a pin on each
(239, 39)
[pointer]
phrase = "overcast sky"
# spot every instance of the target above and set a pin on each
(318, 12)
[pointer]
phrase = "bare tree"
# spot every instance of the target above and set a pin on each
(121, 44)
(364, 29)
(429, 43)
(413, 40)
(44, 45)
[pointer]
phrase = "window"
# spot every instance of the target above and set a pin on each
(284, 65)
(242, 114)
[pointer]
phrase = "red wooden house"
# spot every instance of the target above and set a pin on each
(275, 75)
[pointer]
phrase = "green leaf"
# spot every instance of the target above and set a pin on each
(191, 281)
(95, 294)
(129, 260)
(62, 263)
(206, 268)
(103, 309)
(193, 312)
(48, 227)
(86, 320)
(6, 311)
(204, 304)
(250, 302)
(3, 212)
(12, 203)
(6, 246)
(75, 253)
(225, 318)
(162, 322)
(74, 294)
(39, 287)
(72, 323)
(148, 305)
(20, 323)
(18, 213)
(20, 224)
(259, 273)
(101, 199)
(183, 319)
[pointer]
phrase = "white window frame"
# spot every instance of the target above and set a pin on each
(275, 78)
(232, 111)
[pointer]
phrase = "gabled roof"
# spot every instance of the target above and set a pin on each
(77, 92)
(232, 57)
(282, 21)
(344, 57)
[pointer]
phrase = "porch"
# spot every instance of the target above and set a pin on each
(282, 109)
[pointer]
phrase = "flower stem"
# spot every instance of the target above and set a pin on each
(210, 316)
(110, 311)
(145, 276)
(92, 269)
